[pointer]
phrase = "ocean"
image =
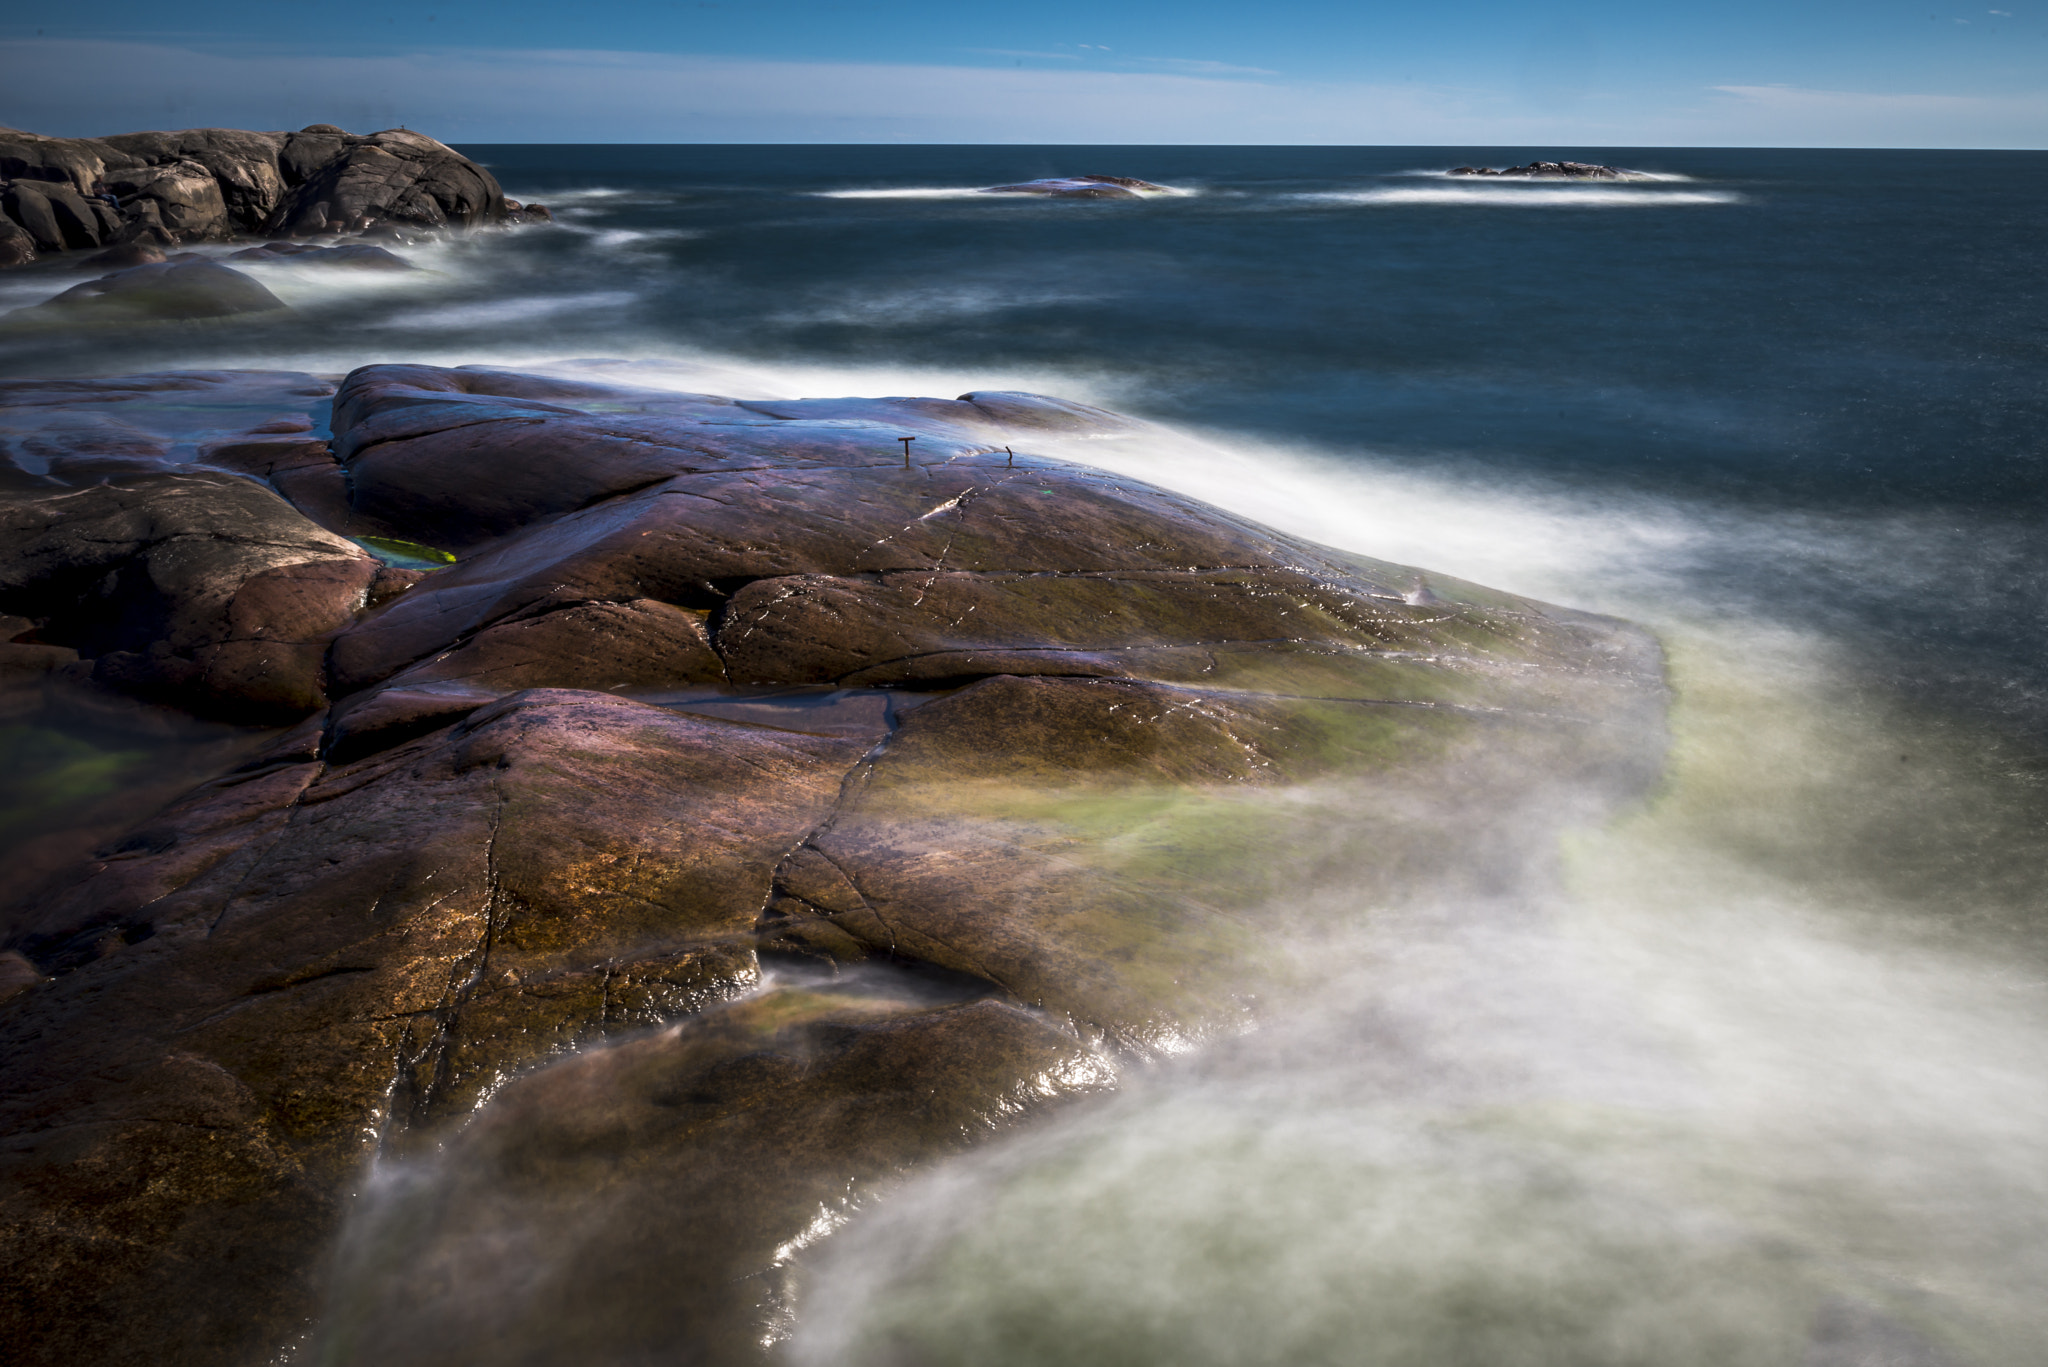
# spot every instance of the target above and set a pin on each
(1783, 1024)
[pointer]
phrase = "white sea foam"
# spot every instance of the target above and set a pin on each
(934, 192)
(502, 311)
(898, 307)
(974, 192)
(1534, 195)
(595, 194)
(625, 237)
(1736, 1091)
(1626, 175)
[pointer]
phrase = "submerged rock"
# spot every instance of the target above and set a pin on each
(162, 291)
(1082, 187)
(1034, 766)
(126, 255)
(352, 256)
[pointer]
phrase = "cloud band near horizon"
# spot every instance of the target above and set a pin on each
(93, 87)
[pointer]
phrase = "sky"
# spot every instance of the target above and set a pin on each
(1486, 73)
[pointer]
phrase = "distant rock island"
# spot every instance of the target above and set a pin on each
(1547, 170)
(217, 184)
(1083, 187)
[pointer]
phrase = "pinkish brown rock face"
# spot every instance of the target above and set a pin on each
(1012, 766)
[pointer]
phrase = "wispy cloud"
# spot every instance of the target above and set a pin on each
(481, 95)
(1192, 66)
(1020, 52)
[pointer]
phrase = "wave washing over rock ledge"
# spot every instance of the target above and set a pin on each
(684, 813)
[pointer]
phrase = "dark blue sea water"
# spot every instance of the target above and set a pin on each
(1793, 334)
(1786, 407)
(1864, 327)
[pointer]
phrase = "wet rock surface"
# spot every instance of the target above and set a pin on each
(808, 809)
(214, 184)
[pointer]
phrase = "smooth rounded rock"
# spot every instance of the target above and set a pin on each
(165, 291)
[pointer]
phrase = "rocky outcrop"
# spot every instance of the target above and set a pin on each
(1082, 187)
(214, 184)
(813, 812)
(1546, 170)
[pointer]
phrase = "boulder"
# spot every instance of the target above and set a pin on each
(1082, 187)
(136, 253)
(77, 162)
(55, 215)
(303, 154)
(744, 816)
(394, 176)
(17, 245)
(187, 199)
(242, 165)
(160, 292)
(202, 589)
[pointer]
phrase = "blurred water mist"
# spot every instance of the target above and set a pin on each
(1745, 1075)
(1717, 1096)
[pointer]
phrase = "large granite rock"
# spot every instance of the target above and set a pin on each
(56, 216)
(200, 588)
(1034, 767)
(213, 184)
(395, 177)
(244, 167)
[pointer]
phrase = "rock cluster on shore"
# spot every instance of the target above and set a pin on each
(641, 694)
(215, 184)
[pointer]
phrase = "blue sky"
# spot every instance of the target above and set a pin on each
(1791, 73)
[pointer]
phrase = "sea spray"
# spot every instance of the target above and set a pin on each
(1682, 1107)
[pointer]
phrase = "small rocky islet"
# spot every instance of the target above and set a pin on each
(1547, 170)
(650, 822)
